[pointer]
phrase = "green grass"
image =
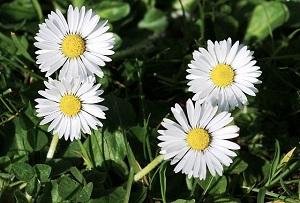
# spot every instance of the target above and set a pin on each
(155, 41)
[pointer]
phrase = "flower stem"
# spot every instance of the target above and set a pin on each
(275, 195)
(148, 168)
(129, 185)
(52, 147)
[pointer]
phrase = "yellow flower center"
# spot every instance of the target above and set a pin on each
(70, 105)
(198, 139)
(73, 46)
(222, 75)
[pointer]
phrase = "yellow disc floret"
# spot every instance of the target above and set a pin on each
(73, 46)
(198, 139)
(70, 105)
(222, 75)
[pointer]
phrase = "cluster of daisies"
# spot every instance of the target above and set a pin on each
(74, 48)
(220, 77)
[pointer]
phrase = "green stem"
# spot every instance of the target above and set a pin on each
(52, 147)
(275, 195)
(148, 168)
(129, 184)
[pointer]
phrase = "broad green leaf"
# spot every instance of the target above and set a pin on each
(266, 17)
(214, 185)
(238, 166)
(116, 196)
(187, 5)
(85, 194)
(73, 150)
(37, 139)
(140, 132)
(68, 188)
(23, 171)
(106, 146)
(5, 179)
(20, 144)
(112, 10)
(5, 163)
(43, 172)
(33, 186)
(55, 193)
(154, 20)
(77, 175)
(20, 197)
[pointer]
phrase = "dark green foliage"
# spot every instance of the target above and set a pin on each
(155, 41)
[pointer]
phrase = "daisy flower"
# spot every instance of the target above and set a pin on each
(70, 106)
(223, 74)
(199, 140)
(78, 45)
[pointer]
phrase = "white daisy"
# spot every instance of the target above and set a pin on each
(79, 44)
(70, 106)
(223, 73)
(198, 140)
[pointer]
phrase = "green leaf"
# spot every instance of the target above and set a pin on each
(140, 132)
(261, 195)
(275, 162)
(77, 175)
(85, 193)
(20, 197)
(18, 10)
(73, 150)
(266, 17)
(68, 188)
(154, 20)
(106, 146)
(22, 44)
(55, 193)
(5, 163)
(33, 186)
(112, 10)
(23, 171)
(238, 166)
(7, 42)
(184, 201)
(20, 143)
(37, 139)
(187, 5)
(116, 196)
(43, 172)
(214, 185)
(225, 200)
(5, 179)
